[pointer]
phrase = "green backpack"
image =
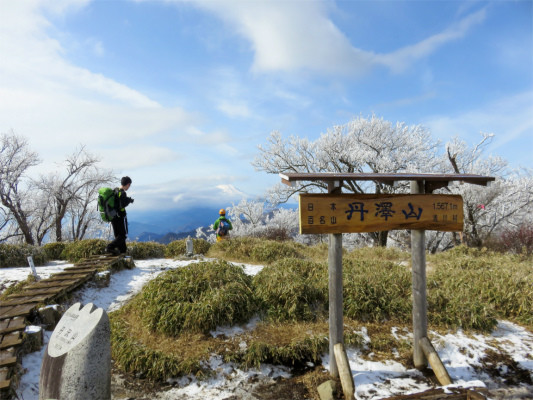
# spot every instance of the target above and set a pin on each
(107, 203)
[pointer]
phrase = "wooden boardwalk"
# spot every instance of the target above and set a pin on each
(19, 308)
(441, 394)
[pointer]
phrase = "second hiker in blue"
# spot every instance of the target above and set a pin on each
(222, 226)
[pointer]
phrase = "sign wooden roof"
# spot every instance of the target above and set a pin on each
(435, 181)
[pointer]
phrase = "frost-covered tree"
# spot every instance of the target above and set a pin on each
(255, 218)
(247, 218)
(83, 219)
(508, 202)
(8, 227)
(33, 209)
(361, 146)
(16, 158)
(73, 191)
(282, 224)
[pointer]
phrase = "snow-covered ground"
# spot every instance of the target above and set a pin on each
(462, 354)
(10, 276)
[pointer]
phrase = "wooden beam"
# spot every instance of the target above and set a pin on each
(345, 372)
(387, 178)
(435, 362)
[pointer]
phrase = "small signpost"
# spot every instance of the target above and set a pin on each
(336, 213)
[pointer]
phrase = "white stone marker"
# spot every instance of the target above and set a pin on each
(32, 267)
(77, 362)
(189, 247)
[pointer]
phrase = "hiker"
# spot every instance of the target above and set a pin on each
(222, 226)
(120, 221)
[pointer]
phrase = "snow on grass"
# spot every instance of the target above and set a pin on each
(460, 353)
(127, 283)
(228, 382)
(11, 276)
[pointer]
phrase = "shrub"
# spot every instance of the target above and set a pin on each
(269, 251)
(145, 250)
(179, 247)
(238, 248)
(518, 240)
(248, 249)
(175, 249)
(292, 290)
(295, 354)
(472, 288)
(75, 251)
(136, 357)
(53, 250)
(196, 298)
(201, 246)
(16, 255)
(376, 290)
(379, 253)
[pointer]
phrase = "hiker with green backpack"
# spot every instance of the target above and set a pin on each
(222, 226)
(112, 205)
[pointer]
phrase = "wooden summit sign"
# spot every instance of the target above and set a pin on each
(348, 213)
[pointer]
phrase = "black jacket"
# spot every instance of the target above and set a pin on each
(123, 202)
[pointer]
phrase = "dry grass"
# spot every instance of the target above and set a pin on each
(467, 288)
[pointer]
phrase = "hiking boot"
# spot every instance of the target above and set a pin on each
(114, 252)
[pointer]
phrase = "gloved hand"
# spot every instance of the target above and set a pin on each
(131, 200)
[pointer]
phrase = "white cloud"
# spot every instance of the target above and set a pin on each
(509, 118)
(291, 35)
(294, 36)
(187, 192)
(96, 46)
(56, 104)
(130, 157)
(233, 109)
(401, 59)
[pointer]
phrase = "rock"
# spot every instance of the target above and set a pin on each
(50, 315)
(327, 390)
(102, 279)
(77, 361)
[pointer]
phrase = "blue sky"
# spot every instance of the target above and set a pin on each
(179, 94)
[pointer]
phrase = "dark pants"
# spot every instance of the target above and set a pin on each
(120, 230)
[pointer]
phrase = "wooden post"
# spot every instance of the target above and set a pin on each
(345, 372)
(435, 362)
(418, 261)
(335, 291)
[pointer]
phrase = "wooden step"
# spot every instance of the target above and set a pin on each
(37, 292)
(10, 340)
(8, 362)
(11, 325)
(51, 284)
(5, 384)
(15, 311)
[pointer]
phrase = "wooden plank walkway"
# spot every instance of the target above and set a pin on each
(19, 307)
(441, 394)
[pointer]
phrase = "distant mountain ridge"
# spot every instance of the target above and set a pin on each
(165, 226)
(164, 239)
